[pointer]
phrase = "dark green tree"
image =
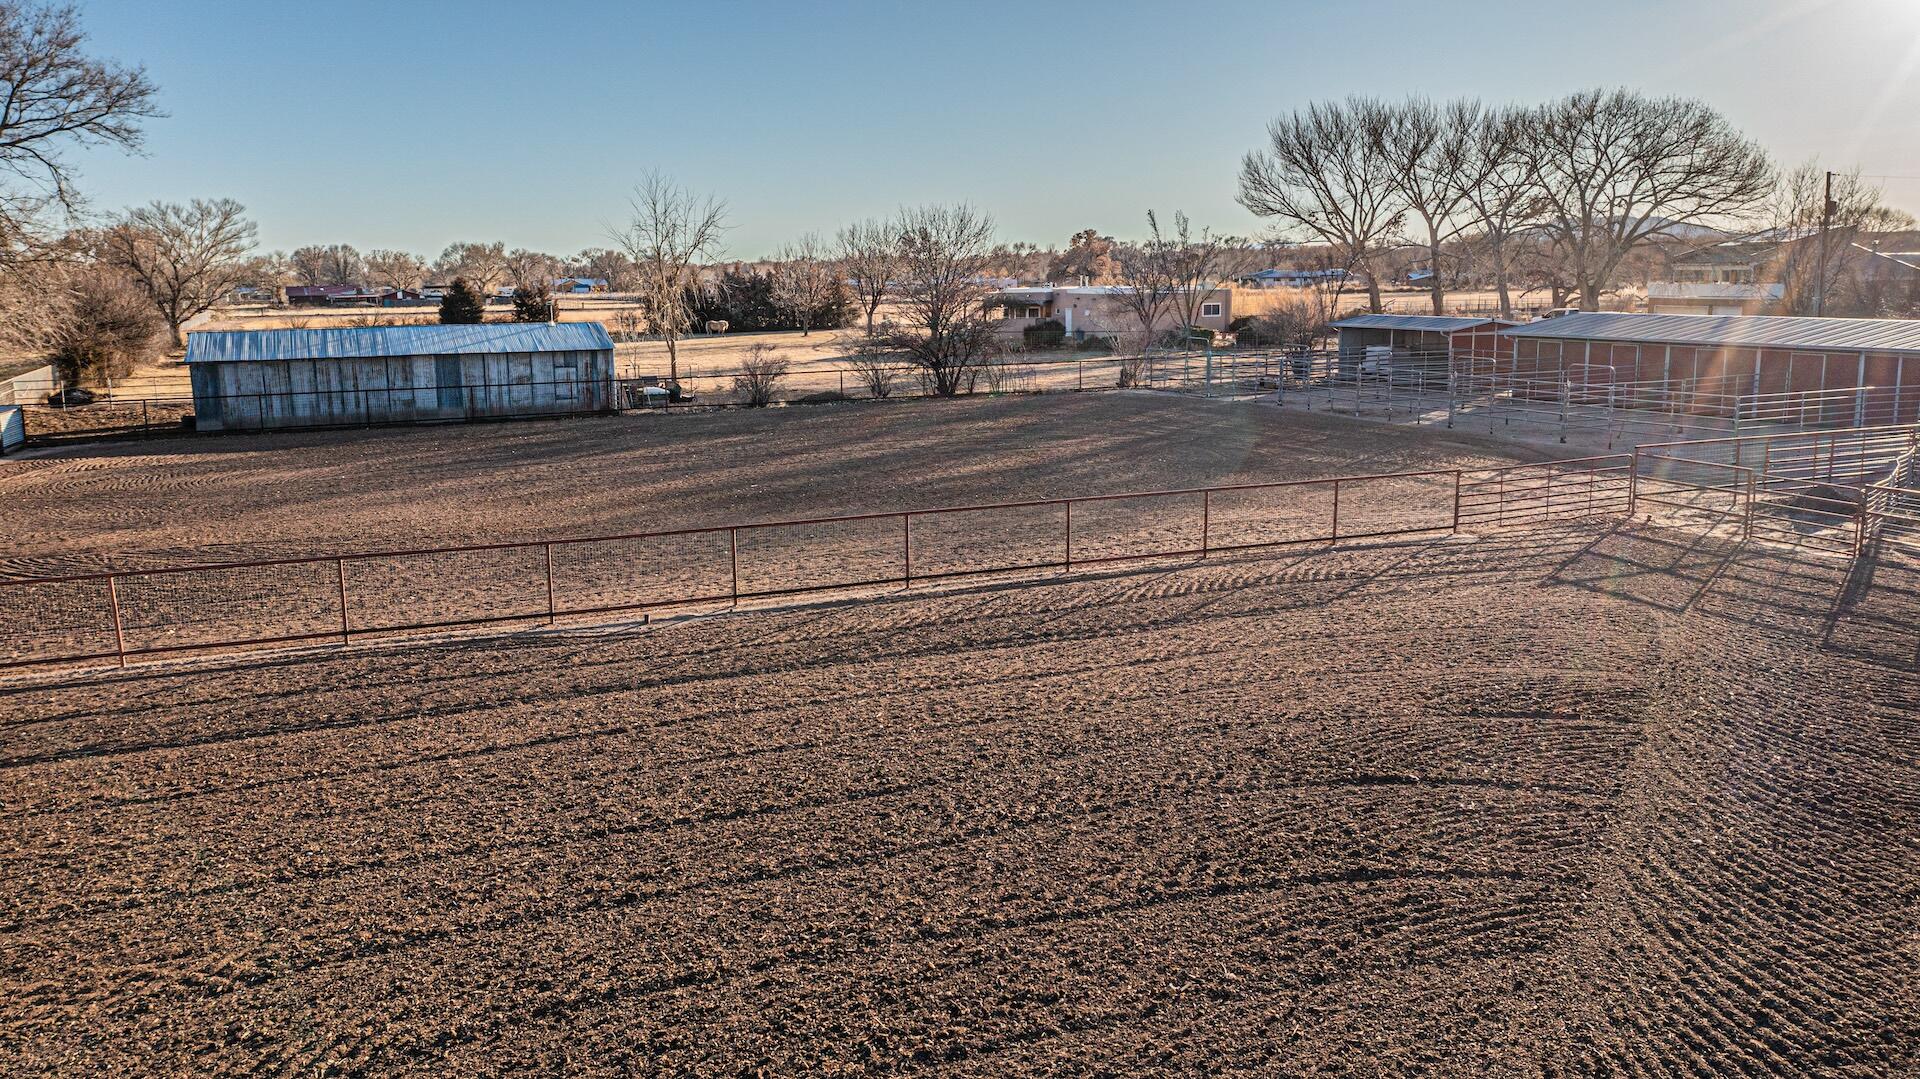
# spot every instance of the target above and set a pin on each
(463, 305)
(531, 304)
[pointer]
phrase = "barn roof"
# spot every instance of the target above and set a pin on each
(1432, 323)
(343, 343)
(1746, 331)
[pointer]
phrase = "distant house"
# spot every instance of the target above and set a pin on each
(333, 296)
(579, 285)
(1094, 310)
(1272, 278)
(1732, 278)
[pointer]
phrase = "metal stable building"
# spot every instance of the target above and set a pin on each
(1410, 342)
(1769, 354)
(259, 379)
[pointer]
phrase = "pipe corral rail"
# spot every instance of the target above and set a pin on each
(118, 615)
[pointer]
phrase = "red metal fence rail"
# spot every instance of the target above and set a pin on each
(125, 614)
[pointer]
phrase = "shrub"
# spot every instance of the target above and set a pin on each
(107, 329)
(760, 376)
(876, 371)
(463, 305)
(1185, 337)
(1047, 333)
(1103, 345)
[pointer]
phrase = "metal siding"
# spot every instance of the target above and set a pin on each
(365, 342)
(1748, 331)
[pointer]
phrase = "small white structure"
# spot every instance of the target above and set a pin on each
(249, 380)
(13, 429)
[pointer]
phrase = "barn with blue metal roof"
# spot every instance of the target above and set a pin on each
(264, 379)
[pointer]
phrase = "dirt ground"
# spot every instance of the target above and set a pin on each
(1563, 802)
(1600, 799)
(132, 505)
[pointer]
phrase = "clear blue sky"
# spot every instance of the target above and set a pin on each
(410, 125)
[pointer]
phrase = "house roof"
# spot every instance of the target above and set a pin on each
(230, 346)
(1747, 331)
(1432, 323)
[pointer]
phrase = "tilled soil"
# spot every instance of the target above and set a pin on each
(1577, 800)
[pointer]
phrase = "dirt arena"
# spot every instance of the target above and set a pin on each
(128, 505)
(1599, 799)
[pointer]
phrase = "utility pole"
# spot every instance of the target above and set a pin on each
(1826, 221)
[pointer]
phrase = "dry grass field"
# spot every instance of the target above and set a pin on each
(1604, 799)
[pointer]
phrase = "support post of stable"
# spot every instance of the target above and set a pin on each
(119, 637)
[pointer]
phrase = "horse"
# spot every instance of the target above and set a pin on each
(715, 325)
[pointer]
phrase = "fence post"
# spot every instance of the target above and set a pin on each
(119, 637)
(1860, 524)
(1206, 519)
(1335, 538)
(906, 545)
(1458, 476)
(340, 577)
(550, 607)
(1746, 526)
(1633, 482)
(733, 561)
(1069, 559)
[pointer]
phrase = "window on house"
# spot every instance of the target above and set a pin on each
(1209, 310)
(1032, 311)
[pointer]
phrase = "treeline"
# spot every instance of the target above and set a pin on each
(1562, 195)
(750, 299)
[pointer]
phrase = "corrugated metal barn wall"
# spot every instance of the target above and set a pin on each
(263, 394)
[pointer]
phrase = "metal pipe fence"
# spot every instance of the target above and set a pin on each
(122, 615)
(1838, 490)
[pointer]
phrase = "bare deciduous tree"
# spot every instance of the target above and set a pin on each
(1811, 272)
(1145, 275)
(327, 264)
(184, 257)
(108, 328)
(870, 254)
(804, 280)
(483, 265)
(670, 231)
(1614, 169)
(395, 269)
(1495, 186)
(1427, 150)
(1323, 175)
(942, 294)
(1199, 265)
(57, 97)
(611, 266)
(531, 271)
